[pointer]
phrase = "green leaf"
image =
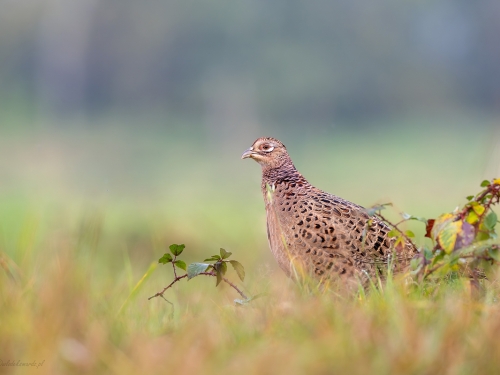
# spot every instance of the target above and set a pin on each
(415, 263)
(485, 183)
(490, 220)
(213, 258)
(428, 253)
(166, 258)
(494, 253)
(240, 270)
(220, 270)
(447, 237)
(393, 233)
(224, 254)
(378, 207)
(439, 224)
(406, 216)
(176, 249)
(438, 255)
(194, 269)
(409, 233)
(470, 197)
(180, 264)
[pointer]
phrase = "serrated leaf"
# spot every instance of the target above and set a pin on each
(478, 209)
(223, 268)
(224, 254)
(410, 234)
(180, 264)
(213, 258)
(472, 217)
(238, 267)
(485, 183)
(176, 249)
(194, 269)
(220, 270)
(490, 221)
(166, 258)
(447, 237)
(470, 197)
(393, 233)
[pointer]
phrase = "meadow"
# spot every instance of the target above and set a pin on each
(85, 215)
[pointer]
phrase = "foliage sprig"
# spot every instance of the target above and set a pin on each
(463, 241)
(217, 269)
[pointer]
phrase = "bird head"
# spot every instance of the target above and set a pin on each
(268, 152)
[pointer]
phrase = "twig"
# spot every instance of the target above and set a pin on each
(160, 294)
(395, 226)
(173, 265)
(177, 278)
(234, 287)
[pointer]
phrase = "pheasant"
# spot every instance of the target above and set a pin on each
(329, 235)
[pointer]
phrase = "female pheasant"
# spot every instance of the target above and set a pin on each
(328, 235)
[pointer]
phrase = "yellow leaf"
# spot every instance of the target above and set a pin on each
(472, 218)
(447, 237)
(440, 223)
(496, 181)
(478, 209)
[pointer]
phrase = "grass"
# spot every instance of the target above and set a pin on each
(84, 219)
(79, 318)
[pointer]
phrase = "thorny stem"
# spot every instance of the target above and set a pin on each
(173, 266)
(177, 278)
(473, 256)
(492, 189)
(395, 226)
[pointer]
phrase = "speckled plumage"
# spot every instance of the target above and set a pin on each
(329, 235)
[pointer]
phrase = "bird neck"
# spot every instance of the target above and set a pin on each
(286, 172)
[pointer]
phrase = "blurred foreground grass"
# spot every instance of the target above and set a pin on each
(84, 215)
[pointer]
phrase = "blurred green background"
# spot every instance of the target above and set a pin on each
(146, 107)
(122, 124)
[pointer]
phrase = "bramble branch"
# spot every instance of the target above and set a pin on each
(395, 226)
(178, 278)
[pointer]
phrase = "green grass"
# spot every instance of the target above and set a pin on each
(84, 216)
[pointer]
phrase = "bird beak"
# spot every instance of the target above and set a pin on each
(248, 153)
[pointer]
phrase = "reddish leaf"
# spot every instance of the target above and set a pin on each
(428, 228)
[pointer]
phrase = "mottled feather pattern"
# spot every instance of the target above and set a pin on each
(327, 234)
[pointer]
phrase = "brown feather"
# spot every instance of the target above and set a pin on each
(325, 233)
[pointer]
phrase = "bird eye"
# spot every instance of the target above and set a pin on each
(267, 147)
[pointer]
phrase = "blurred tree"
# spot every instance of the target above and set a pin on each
(280, 61)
